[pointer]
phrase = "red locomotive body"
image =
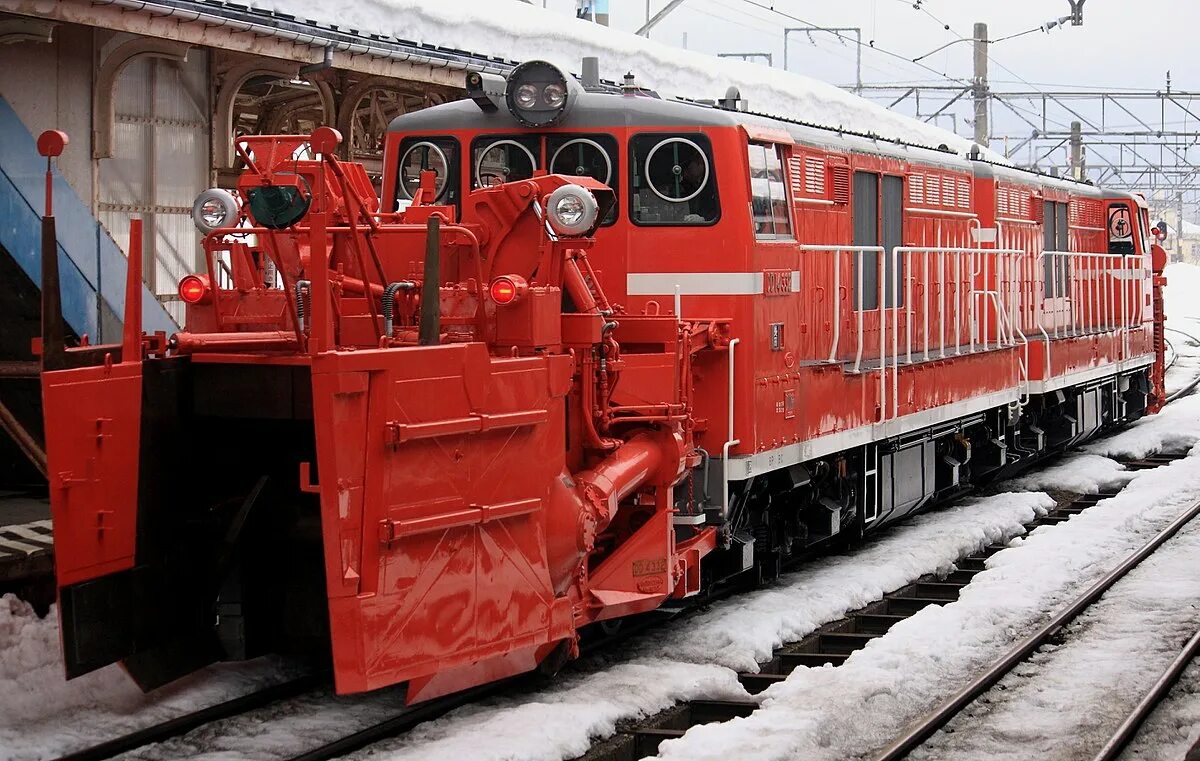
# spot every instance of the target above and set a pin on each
(594, 352)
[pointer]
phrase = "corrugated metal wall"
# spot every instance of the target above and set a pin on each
(160, 163)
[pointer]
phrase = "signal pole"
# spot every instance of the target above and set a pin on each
(981, 85)
(1077, 150)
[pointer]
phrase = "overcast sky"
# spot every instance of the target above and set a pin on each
(1123, 44)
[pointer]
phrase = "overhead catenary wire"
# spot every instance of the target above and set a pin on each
(865, 45)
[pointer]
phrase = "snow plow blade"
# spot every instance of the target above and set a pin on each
(437, 467)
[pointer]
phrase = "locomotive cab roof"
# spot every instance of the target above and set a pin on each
(597, 106)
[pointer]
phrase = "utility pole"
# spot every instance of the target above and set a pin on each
(1179, 223)
(981, 85)
(645, 30)
(1077, 170)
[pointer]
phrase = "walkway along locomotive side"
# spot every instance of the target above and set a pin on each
(592, 353)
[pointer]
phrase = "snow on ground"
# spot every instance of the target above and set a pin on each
(1079, 474)
(700, 655)
(1066, 700)
(42, 715)
(827, 713)
(517, 31)
(1181, 302)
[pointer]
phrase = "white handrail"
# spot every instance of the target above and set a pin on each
(837, 251)
(730, 442)
(1092, 306)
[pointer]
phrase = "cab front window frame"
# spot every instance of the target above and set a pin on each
(673, 180)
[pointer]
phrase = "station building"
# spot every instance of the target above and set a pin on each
(152, 95)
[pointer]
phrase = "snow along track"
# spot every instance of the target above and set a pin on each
(925, 727)
(831, 645)
(851, 711)
(927, 544)
(42, 717)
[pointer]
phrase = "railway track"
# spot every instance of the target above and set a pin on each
(832, 644)
(27, 551)
(924, 727)
(1149, 702)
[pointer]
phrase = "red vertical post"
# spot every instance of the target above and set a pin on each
(318, 276)
(131, 343)
(323, 142)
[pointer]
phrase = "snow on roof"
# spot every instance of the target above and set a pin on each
(516, 31)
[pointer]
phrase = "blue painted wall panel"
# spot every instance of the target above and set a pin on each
(89, 259)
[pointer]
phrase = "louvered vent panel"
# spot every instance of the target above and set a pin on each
(964, 194)
(1002, 201)
(841, 183)
(814, 176)
(794, 168)
(933, 189)
(916, 188)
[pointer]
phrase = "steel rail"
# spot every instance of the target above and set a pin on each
(388, 728)
(183, 724)
(1153, 697)
(924, 728)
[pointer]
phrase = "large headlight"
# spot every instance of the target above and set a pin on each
(213, 209)
(526, 97)
(554, 95)
(538, 94)
(572, 211)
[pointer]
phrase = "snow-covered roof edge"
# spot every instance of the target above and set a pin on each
(498, 32)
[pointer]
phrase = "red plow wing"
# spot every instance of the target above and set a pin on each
(437, 466)
(93, 417)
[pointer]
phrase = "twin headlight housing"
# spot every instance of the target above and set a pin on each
(538, 94)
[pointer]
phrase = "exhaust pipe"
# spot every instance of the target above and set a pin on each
(431, 299)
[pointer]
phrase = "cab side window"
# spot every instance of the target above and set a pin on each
(673, 181)
(436, 154)
(498, 159)
(586, 155)
(768, 192)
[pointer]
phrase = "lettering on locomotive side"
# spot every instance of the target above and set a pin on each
(777, 282)
(649, 566)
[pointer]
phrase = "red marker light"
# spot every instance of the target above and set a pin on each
(507, 289)
(193, 289)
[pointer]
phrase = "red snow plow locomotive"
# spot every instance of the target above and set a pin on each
(560, 374)
(396, 399)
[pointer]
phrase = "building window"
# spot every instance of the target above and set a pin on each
(769, 203)
(673, 180)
